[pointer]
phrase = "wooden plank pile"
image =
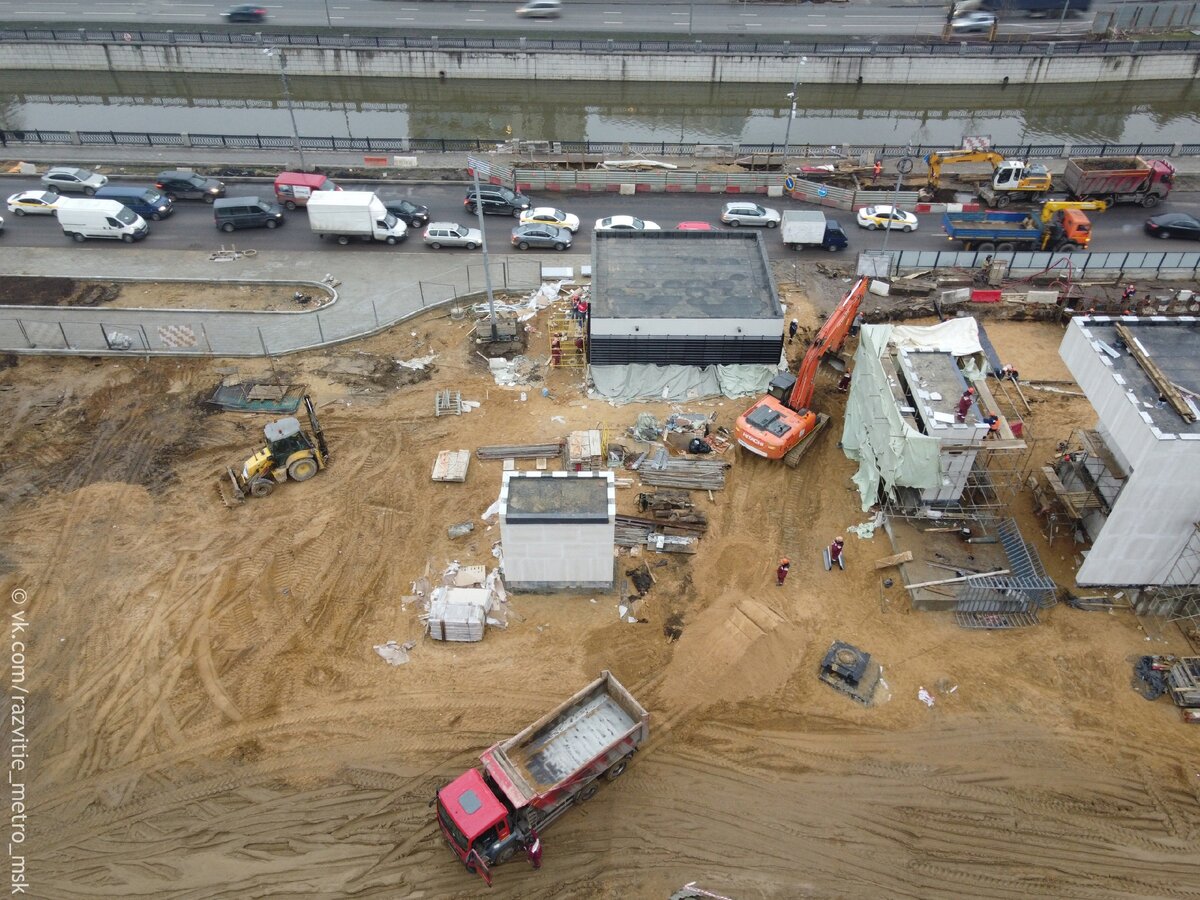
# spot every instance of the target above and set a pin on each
(672, 507)
(520, 451)
(632, 531)
(690, 474)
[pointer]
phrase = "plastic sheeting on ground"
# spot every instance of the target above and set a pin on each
(957, 336)
(641, 382)
(887, 449)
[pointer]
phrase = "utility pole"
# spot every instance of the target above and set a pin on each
(794, 95)
(903, 167)
(287, 96)
(487, 269)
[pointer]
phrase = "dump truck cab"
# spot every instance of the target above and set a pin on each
(478, 825)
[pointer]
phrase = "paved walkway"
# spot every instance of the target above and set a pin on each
(377, 290)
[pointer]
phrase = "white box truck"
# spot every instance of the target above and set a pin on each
(83, 219)
(803, 228)
(353, 214)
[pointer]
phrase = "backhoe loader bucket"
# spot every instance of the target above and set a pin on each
(231, 492)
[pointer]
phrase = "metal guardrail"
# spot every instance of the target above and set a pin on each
(1016, 48)
(1169, 264)
(335, 143)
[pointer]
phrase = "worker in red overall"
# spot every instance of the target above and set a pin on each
(781, 573)
(556, 352)
(964, 404)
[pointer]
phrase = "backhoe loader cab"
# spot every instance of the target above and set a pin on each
(289, 453)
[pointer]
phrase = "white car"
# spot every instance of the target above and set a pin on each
(873, 217)
(71, 179)
(739, 212)
(976, 20)
(548, 215)
(624, 223)
(34, 203)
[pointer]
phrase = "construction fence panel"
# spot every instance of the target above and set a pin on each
(1172, 263)
(823, 194)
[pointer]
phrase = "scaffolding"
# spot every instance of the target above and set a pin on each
(1078, 486)
(993, 482)
(570, 330)
(1177, 599)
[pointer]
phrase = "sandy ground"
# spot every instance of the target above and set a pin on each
(209, 719)
(25, 290)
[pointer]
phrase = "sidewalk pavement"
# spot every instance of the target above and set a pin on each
(378, 289)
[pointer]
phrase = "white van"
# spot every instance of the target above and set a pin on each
(83, 219)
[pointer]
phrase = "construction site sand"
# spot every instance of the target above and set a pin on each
(209, 719)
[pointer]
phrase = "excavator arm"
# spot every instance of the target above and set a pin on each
(950, 157)
(830, 338)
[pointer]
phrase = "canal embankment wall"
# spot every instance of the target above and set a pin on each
(540, 64)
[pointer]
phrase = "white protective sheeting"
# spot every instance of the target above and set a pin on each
(642, 382)
(887, 449)
(957, 336)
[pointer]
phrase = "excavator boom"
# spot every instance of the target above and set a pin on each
(829, 339)
(937, 160)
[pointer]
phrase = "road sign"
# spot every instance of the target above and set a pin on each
(789, 183)
(904, 165)
(822, 192)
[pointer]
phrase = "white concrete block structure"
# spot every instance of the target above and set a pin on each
(688, 298)
(558, 530)
(1149, 505)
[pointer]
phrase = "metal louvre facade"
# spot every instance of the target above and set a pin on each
(685, 350)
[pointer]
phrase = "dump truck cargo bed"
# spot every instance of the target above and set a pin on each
(568, 743)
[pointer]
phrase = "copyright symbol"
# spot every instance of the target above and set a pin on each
(20, 595)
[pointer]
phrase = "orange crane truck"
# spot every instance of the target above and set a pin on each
(779, 425)
(526, 782)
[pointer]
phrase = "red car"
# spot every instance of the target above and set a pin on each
(694, 226)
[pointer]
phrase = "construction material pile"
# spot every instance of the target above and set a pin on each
(690, 474)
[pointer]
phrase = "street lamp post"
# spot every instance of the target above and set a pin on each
(287, 96)
(794, 95)
(903, 167)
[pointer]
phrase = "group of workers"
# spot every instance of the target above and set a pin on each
(579, 310)
(835, 559)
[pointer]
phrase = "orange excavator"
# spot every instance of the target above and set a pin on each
(779, 425)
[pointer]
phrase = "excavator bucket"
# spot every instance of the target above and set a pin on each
(317, 433)
(230, 490)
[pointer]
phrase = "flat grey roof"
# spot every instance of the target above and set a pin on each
(682, 275)
(1172, 345)
(549, 498)
(938, 373)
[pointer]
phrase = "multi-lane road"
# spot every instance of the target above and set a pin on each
(721, 19)
(192, 228)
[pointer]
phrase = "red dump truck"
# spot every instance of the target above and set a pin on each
(487, 814)
(1127, 179)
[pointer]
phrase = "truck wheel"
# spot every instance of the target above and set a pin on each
(302, 469)
(343, 239)
(227, 228)
(1002, 201)
(1069, 247)
(1150, 201)
(588, 792)
(391, 240)
(1005, 247)
(290, 204)
(986, 246)
(79, 238)
(617, 770)
(261, 487)
(832, 249)
(127, 238)
(506, 854)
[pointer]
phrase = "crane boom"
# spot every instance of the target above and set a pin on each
(831, 337)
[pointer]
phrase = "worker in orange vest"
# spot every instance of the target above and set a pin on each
(875, 170)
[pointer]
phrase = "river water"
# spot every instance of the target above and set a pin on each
(601, 111)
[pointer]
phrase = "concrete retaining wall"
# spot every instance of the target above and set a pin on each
(558, 65)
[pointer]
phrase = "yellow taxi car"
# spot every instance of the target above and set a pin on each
(548, 215)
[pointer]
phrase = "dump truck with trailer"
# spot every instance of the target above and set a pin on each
(1128, 179)
(488, 814)
(353, 214)
(802, 228)
(1061, 225)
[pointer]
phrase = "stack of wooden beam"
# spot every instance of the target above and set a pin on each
(520, 451)
(635, 530)
(690, 474)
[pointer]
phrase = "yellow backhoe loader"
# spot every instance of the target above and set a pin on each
(289, 453)
(1012, 179)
